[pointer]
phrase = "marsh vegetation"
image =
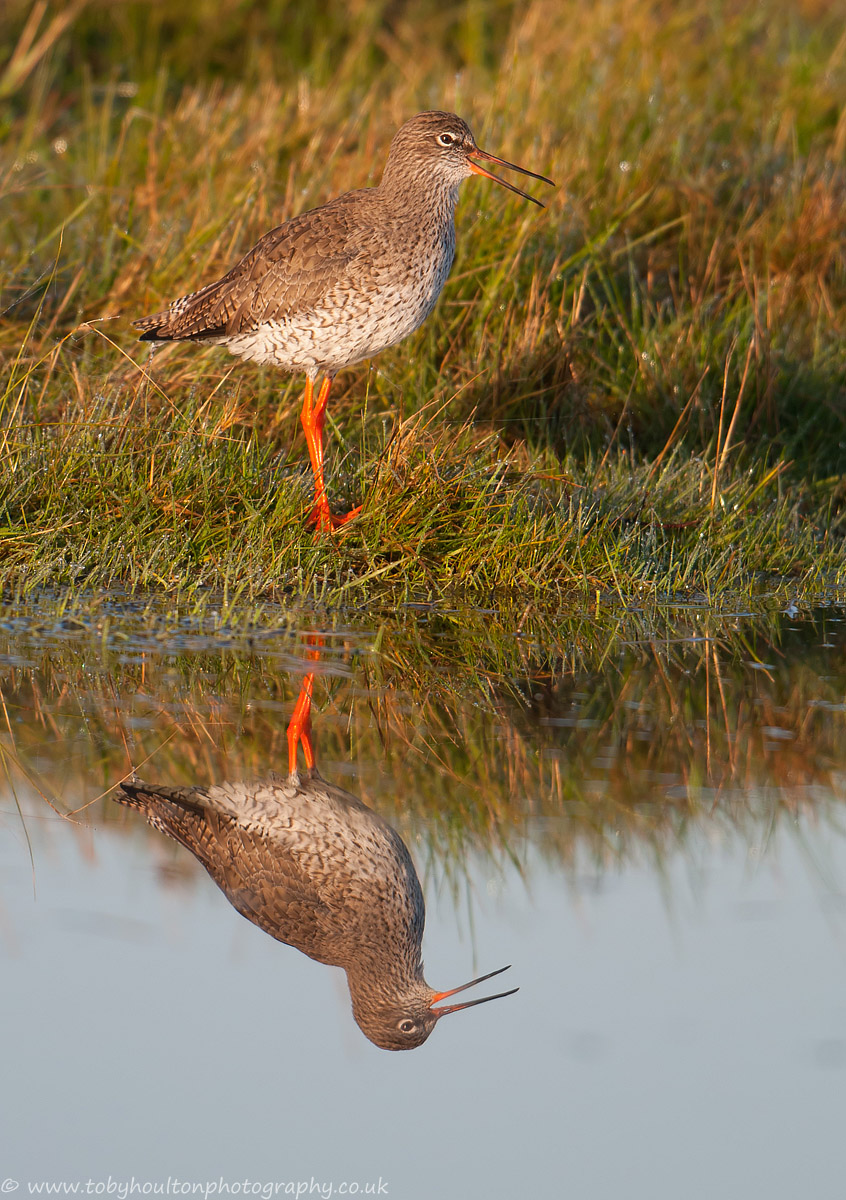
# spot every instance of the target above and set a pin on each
(639, 390)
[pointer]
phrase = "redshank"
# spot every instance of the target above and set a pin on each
(342, 282)
(315, 868)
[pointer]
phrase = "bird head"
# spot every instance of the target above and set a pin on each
(443, 144)
(406, 1022)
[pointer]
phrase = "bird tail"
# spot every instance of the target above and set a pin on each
(178, 812)
(200, 314)
(133, 795)
(154, 327)
(173, 324)
(145, 796)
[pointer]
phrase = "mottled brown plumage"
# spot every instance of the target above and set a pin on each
(344, 281)
(315, 868)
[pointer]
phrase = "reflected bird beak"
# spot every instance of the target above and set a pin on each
(450, 1008)
(477, 170)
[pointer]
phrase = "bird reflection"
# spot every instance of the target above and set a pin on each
(315, 868)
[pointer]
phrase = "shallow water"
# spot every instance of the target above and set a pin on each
(643, 812)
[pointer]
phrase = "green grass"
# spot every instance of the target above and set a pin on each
(638, 391)
(611, 733)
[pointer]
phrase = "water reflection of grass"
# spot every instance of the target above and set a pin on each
(639, 389)
(616, 739)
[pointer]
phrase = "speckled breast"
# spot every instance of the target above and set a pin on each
(358, 317)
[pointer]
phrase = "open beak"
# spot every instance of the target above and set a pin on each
(477, 170)
(450, 1008)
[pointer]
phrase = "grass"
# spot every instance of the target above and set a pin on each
(606, 737)
(639, 391)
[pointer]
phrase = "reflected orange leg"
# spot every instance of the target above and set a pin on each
(299, 727)
(313, 416)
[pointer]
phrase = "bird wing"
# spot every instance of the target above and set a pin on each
(265, 883)
(291, 269)
(260, 875)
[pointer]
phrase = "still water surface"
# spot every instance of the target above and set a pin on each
(642, 812)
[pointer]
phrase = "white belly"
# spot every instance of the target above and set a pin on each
(347, 326)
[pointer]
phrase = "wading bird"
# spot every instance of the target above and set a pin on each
(342, 282)
(314, 867)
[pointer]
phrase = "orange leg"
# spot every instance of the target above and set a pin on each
(299, 727)
(313, 416)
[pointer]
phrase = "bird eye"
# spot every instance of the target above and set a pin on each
(447, 139)
(406, 1026)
